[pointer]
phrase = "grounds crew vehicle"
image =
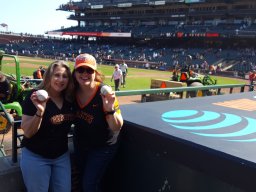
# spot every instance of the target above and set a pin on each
(193, 79)
(10, 108)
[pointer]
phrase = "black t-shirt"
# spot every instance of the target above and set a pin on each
(51, 140)
(91, 127)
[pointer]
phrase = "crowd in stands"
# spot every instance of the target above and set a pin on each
(241, 60)
(191, 29)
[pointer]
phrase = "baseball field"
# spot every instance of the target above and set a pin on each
(136, 79)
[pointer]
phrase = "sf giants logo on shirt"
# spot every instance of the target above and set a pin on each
(85, 116)
(58, 119)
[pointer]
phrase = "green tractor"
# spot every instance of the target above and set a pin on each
(193, 79)
(13, 89)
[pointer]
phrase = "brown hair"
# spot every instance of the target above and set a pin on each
(45, 84)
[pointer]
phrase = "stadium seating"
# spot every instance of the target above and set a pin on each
(241, 60)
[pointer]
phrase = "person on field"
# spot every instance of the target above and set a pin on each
(45, 159)
(42, 70)
(124, 69)
(97, 125)
(117, 76)
(37, 74)
(252, 78)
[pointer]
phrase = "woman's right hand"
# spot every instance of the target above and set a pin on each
(40, 105)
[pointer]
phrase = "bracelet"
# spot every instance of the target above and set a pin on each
(110, 112)
(39, 115)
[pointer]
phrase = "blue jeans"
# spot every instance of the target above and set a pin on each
(43, 175)
(93, 163)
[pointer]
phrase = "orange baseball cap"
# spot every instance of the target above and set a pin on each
(86, 60)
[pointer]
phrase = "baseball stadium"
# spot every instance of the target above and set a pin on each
(188, 100)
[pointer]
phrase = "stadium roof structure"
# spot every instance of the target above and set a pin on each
(99, 4)
(167, 18)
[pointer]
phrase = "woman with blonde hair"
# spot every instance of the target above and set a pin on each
(45, 160)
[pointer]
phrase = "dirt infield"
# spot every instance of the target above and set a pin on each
(123, 100)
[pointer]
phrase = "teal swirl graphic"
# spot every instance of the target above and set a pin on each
(199, 122)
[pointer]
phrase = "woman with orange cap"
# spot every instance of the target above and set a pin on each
(98, 123)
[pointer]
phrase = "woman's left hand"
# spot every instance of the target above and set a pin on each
(108, 101)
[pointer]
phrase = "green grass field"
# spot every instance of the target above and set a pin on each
(136, 78)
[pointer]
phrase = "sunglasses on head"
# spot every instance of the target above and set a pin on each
(85, 69)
